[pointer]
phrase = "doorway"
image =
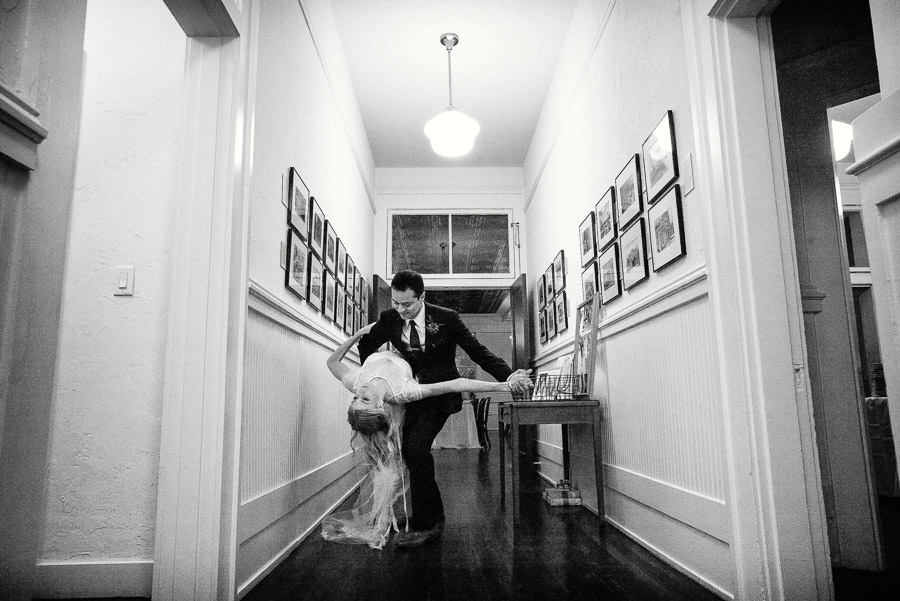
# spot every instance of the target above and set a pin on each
(825, 57)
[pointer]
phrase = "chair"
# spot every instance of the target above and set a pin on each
(482, 407)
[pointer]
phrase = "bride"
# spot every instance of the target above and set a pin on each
(380, 387)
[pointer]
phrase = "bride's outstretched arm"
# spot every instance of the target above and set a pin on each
(467, 385)
(335, 365)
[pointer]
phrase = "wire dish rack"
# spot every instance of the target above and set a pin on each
(557, 387)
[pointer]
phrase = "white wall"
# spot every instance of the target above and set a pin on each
(104, 450)
(296, 461)
(622, 67)
(448, 188)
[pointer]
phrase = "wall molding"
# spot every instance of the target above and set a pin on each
(100, 579)
(702, 513)
(447, 191)
(266, 304)
(885, 151)
(270, 565)
(20, 129)
(341, 109)
(257, 514)
(569, 102)
(686, 289)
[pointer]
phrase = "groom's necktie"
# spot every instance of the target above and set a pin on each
(414, 342)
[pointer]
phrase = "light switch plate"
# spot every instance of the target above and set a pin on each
(283, 255)
(687, 174)
(124, 281)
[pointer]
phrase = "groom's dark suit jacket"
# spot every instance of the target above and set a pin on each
(444, 332)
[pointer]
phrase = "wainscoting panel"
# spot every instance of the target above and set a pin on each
(663, 418)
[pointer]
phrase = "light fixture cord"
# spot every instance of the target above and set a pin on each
(450, 74)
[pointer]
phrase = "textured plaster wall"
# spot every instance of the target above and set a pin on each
(104, 451)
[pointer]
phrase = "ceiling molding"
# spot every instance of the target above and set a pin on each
(570, 101)
(432, 191)
(341, 109)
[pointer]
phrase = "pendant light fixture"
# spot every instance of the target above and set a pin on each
(452, 132)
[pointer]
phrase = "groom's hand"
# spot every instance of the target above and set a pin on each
(520, 381)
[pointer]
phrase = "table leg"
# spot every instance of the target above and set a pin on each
(514, 449)
(500, 427)
(598, 466)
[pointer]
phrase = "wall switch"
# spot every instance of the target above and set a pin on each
(124, 281)
(687, 175)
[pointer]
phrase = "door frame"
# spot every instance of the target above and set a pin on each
(775, 498)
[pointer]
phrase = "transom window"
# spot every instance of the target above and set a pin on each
(450, 243)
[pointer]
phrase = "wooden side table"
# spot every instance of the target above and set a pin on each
(518, 413)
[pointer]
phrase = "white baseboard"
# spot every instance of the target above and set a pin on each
(87, 579)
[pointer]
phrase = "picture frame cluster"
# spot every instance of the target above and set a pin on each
(621, 236)
(318, 268)
(553, 302)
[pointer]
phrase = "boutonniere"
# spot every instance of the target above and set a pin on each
(431, 327)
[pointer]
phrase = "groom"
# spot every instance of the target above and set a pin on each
(427, 336)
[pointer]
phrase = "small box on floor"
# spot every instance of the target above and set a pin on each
(562, 494)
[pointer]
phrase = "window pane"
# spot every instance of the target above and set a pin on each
(857, 253)
(421, 243)
(480, 244)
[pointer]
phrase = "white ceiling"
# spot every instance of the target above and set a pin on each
(502, 67)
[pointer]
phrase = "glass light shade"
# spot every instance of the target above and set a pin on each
(452, 132)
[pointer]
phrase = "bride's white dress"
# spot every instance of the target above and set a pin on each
(384, 494)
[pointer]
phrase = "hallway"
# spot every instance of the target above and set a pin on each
(557, 554)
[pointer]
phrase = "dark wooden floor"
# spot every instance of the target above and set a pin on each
(557, 553)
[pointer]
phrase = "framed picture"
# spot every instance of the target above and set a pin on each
(659, 158)
(316, 282)
(586, 310)
(605, 211)
(341, 269)
(328, 300)
(633, 243)
(298, 205)
(363, 294)
(551, 321)
(340, 299)
(666, 229)
(365, 316)
(559, 271)
(348, 316)
(628, 192)
(562, 312)
(543, 322)
(330, 247)
(351, 274)
(297, 262)
(608, 264)
(542, 292)
(357, 287)
(316, 228)
(358, 322)
(587, 240)
(589, 281)
(549, 290)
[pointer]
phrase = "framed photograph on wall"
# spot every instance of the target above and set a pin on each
(587, 240)
(316, 282)
(341, 268)
(628, 192)
(608, 265)
(667, 229)
(589, 281)
(316, 228)
(357, 287)
(298, 205)
(605, 211)
(541, 292)
(549, 289)
(295, 277)
(351, 274)
(340, 299)
(349, 325)
(586, 313)
(363, 294)
(551, 321)
(330, 247)
(633, 242)
(559, 271)
(660, 158)
(358, 321)
(328, 296)
(543, 322)
(562, 312)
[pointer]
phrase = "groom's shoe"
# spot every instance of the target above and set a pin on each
(417, 538)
